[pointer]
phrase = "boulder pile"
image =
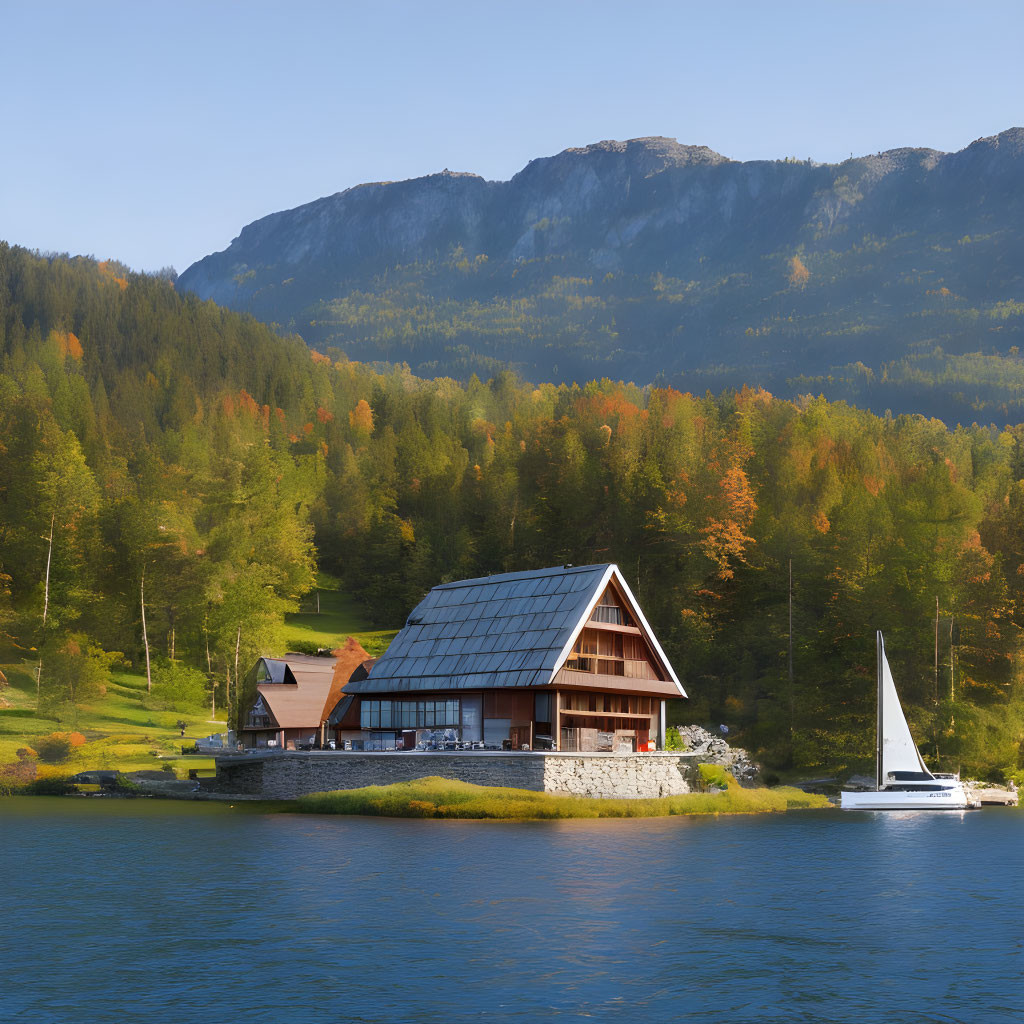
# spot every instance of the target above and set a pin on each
(715, 750)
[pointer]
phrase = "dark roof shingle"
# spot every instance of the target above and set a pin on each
(505, 630)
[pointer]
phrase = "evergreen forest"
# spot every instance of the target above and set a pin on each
(158, 452)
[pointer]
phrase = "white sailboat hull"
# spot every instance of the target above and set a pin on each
(904, 781)
(954, 798)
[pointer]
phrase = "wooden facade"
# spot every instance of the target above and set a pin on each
(295, 695)
(602, 686)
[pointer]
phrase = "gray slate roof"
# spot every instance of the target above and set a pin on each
(506, 630)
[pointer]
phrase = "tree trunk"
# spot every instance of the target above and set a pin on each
(209, 672)
(206, 633)
(46, 605)
(145, 637)
(49, 556)
(238, 641)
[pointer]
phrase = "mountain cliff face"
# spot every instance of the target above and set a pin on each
(646, 258)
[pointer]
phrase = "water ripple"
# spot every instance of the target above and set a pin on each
(123, 911)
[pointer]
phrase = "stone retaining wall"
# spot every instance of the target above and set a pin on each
(284, 776)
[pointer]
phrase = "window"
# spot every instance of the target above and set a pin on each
(580, 664)
(408, 714)
(542, 709)
(607, 613)
(609, 610)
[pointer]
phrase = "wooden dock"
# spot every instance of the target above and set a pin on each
(995, 796)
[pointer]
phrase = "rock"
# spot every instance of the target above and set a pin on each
(716, 750)
(860, 782)
(646, 208)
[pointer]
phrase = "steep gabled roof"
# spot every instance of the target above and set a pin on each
(511, 630)
(297, 701)
(348, 658)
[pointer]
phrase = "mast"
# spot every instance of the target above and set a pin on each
(878, 723)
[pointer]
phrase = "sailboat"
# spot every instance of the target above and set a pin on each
(902, 782)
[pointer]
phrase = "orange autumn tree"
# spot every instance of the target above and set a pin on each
(799, 275)
(361, 418)
(725, 537)
(68, 344)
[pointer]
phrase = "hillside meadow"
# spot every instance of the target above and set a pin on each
(121, 729)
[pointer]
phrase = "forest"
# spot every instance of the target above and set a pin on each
(158, 452)
(869, 324)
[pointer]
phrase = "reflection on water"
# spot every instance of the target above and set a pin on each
(142, 910)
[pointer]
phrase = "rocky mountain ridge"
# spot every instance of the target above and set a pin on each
(617, 218)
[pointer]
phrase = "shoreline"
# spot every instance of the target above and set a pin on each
(436, 797)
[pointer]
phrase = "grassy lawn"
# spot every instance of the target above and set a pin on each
(120, 731)
(339, 617)
(445, 798)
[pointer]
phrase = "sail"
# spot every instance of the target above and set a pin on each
(898, 749)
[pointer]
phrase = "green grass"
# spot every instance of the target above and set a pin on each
(339, 617)
(446, 798)
(121, 733)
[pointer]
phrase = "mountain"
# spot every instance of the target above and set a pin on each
(651, 260)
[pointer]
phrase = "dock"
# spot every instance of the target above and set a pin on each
(994, 796)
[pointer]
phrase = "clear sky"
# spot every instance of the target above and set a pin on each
(153, 132)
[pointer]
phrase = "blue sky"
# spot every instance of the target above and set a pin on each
(151, 133)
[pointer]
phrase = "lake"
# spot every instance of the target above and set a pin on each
(160, 911)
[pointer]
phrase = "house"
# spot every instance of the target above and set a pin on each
(295, 695)
(548, 659)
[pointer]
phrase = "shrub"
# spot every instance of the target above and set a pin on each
(50, 787)
(715, 775)
(74, 671)
(54, 749)
(26, 754)
(17, 776)
(304, 646)
(673, 741)
(76, 739)
(123, 786)
(177, 687)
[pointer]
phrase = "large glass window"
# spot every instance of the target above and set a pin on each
(408, 714)
(380, 741)
(542, 707)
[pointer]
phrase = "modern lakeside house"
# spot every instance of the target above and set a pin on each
(548, 659)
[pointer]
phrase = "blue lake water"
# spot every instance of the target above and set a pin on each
(157, 911)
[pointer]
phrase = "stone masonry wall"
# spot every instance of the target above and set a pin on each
(284, 776)
(628, 776)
